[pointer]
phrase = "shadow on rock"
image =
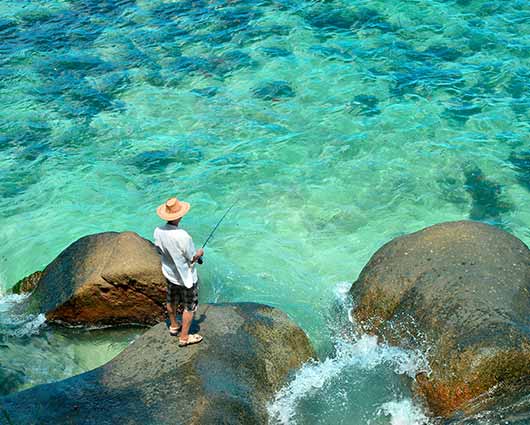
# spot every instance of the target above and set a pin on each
(247, 353)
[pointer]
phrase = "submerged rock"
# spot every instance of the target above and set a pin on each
(518, 85)
(103, 7)
(235, 18)
(157, 161)
(274, 90)
(80, 64)
(210, 91)
(329, 17)
(364, 105)
(521, 164)
(461, 292)
(172, 10)
(276, 52)
(193, 65)
(247, 353)
(16, 179)
(443, 52)
(103, 279)
(331, 53)
(257, 32)
(426, 79)
(28, 134)
(9, 380)
(461, 111)
(488, 202)
(232, 61)
(113, 83)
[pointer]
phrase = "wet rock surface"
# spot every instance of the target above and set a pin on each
(247, 353)
(9, 379)
(460, 291)
(103, 279)
(508, 405)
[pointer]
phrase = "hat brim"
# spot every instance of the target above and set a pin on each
(185, 207)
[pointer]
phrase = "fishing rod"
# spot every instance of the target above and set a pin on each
(200, 260)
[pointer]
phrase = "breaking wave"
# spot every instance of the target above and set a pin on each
(403, 412)
(331, 381)
(18, 325)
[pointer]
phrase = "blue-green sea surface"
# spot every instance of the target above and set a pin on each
(338, 126)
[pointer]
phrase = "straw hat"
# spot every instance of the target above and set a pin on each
(172, 209)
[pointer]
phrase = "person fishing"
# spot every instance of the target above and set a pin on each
(179, 257)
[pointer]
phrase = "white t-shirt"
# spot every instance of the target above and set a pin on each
(177, 250)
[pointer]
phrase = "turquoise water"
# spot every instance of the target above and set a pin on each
(338, 125)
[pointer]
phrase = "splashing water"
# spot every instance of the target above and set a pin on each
(338, 385)
(351, 366)
(403, 412)
(17, 324)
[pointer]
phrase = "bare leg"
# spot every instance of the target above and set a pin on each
(187, 318)
(171, 310)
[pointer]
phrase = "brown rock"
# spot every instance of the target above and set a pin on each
(103, 279)
(508, 404)
(247, 353)
(460, 292)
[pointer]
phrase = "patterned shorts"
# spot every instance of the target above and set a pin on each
(184, 298)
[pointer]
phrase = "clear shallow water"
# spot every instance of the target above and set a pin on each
(32, 353)
(338, 125)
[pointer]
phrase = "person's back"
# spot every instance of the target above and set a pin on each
(178, 258)
(177, 251)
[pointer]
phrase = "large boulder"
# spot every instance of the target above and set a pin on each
(460, 292)
(103, 279)
(247, 353)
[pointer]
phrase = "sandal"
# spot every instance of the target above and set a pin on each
(174, 331)
(192, 339)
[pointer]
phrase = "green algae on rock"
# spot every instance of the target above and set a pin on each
(103, 279)
(247, 353)
(460, 291)
(27, 284)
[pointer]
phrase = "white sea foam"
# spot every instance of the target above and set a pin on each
(362, 354)
(355, 354)
(18, 325)
(403, 412)
(8, 301)
(342, 291)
